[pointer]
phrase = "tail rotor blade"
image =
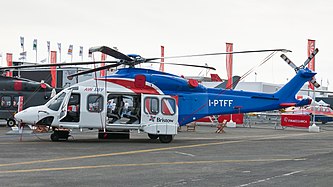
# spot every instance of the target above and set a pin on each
(289, 62)
(312, 55)
(315, 83)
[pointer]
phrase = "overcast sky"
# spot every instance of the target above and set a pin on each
(182, 26)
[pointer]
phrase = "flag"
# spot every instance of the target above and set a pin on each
(229, 65)
(34, 46)
(81, 51)
(311, 65)
(48, 46)
(9, 59)
(103, 58)
(70, 50)
(22, 42)
(59, 47)
(53, 69)
(162, 59)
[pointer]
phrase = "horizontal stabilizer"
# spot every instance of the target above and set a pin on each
(304, 102)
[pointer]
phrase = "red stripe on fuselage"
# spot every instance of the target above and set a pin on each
(129, 84)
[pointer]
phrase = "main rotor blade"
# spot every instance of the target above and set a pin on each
(111, 52)
(93, 70)
(312, 55)
(191, 65)
(225, 53)
(57, 64)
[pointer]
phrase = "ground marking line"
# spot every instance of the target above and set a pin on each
(147, 164)
(270, 178)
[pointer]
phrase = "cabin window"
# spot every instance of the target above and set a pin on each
(168, 106)
(56, 102)
(95, 103)
(15, 101)
(151, 105)
(6, 101)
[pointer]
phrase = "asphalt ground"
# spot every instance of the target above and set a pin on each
(257, 156)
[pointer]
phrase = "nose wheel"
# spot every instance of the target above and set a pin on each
(11, 122)
(59, 135)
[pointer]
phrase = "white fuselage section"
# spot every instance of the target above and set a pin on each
(105, 105)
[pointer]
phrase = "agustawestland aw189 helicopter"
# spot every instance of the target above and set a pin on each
(34, 93)
(149, 101)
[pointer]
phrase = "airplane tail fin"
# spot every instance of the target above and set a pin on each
(235, 80)
(215, 77)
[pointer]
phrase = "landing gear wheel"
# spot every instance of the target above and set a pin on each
(59, 135)
(54, 137)
(153, 136)
(11, 123)
(166, 138)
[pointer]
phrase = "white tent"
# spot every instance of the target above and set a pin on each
(322, 103)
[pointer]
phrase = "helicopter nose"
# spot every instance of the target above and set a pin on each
(26, 116)
(21, 116)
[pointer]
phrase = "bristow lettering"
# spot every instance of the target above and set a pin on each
(164, 120)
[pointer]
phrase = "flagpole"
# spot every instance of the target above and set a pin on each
(23, 52)
(48, 51)
(314, 111)
(59, 48)
(22, 46)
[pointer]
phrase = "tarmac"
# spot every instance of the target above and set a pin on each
(242, 156)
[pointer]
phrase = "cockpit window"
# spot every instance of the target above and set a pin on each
(56, 102)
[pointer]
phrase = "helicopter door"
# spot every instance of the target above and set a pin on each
(159, 113)
(57, 107)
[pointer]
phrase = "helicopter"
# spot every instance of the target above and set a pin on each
(34, 93)
(150, 101)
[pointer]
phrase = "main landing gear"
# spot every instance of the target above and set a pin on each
(60, 135)
(163, 138)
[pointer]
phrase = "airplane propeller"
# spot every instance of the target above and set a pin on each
(297, 68)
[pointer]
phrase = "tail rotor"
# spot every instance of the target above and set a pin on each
(297, 68)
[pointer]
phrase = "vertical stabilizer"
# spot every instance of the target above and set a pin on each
(288, 91)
